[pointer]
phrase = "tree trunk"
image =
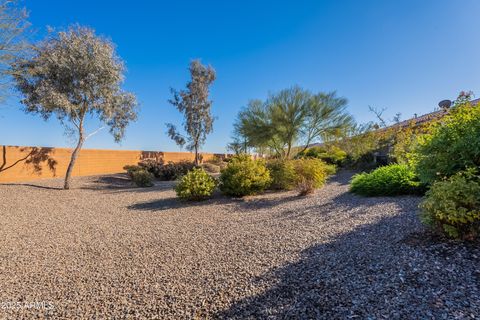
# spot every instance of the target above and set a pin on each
(289, 149)
(196, 155)
(68, 175)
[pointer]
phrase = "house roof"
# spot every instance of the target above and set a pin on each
(424, 118)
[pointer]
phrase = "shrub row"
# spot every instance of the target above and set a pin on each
(244, 176)
(167, 172)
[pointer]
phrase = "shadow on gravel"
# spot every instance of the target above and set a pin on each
(37, 186)
(121, 183)
(247, 203)
(353, 205)
(366, 273)
(342, 177)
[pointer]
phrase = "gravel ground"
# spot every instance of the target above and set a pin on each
(106, 250)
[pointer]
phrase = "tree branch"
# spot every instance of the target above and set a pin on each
(94, 132)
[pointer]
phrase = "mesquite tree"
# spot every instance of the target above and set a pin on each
(12, 41)
(76, 75)
(195, 106)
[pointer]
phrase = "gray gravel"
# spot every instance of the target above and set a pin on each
(106, 250)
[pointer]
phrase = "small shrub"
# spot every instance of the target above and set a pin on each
(131, 169)
(196, 185)
(174, 170)
(169, 171)
(282, 173)
(244, 176)
(452, 206)
(310, 174)
(151, 166)
(391, 180)
(210, 167)
(331, 154)
(142, 178)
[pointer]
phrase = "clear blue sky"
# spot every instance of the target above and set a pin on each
(403, 55)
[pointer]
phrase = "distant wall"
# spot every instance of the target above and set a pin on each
(30, 163)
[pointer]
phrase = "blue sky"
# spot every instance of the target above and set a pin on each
(402, 55)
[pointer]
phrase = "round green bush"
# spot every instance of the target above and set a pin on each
(391, 180)
(142, 178)
(244, 176)
(310, 174)
(196, 185)
(282, 173)
(452, 206)
(452, 146)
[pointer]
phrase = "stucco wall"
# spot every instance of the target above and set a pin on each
(30, 163)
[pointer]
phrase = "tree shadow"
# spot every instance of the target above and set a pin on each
(32, 186)
(35, 159)
(367, 273)
(120, 182)
(266, 201)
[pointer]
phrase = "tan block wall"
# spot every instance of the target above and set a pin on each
(30, 163)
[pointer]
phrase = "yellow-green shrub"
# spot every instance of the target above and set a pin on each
(244, 176)
(282, 173)
(196, 185)
(329, 154)
(453, 206)
(310, 174)
(452, 146)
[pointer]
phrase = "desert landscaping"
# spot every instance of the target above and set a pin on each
(106, 249)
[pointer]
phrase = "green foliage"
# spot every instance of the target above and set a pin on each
(244, 176)
(310, 174)
(142, 178)
(330, 154)
(167, 172)
(195, 106)
(330, 169)
(360, 143)
(406, 139)
(452, 206)
(391, 180)
(282, 173)
(151, 166)
(131, 169)
(13, 22)
(453, 145)
(76, 76)
(290, 117)
(196, 185)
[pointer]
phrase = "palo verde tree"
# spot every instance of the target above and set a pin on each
(326, 118)
(290, 118)
(12, 41)
(76, 75)
(194, 104)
